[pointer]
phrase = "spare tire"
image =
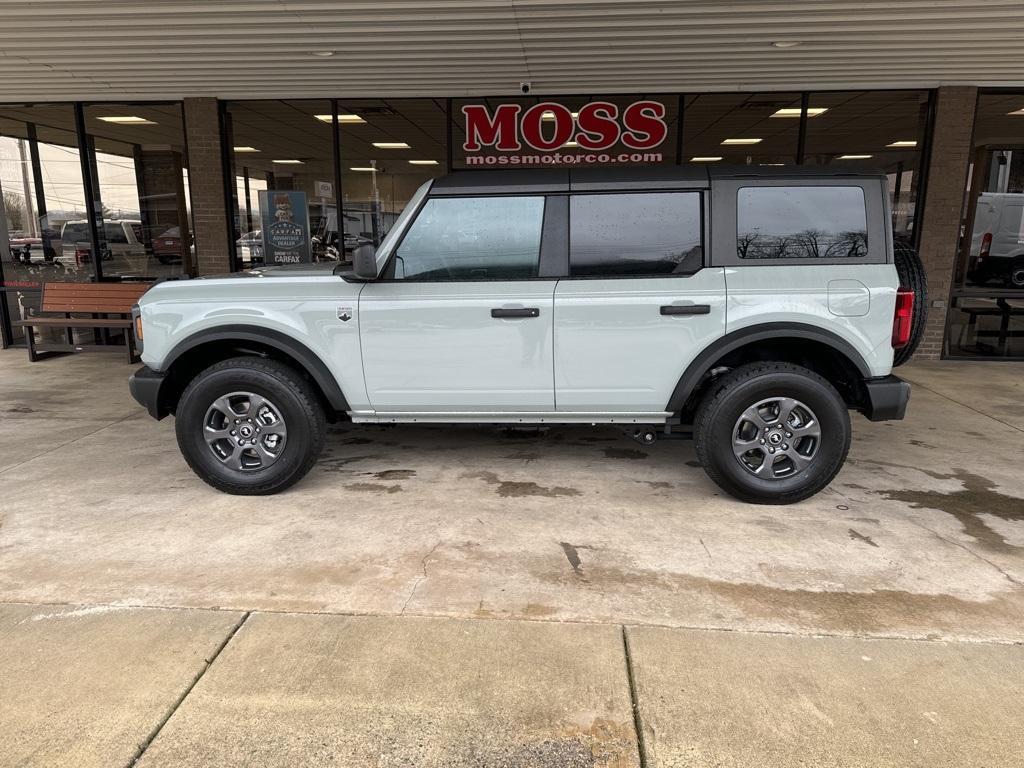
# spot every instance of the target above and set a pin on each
(912, 277)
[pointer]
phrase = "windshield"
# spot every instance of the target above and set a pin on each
(395, 233)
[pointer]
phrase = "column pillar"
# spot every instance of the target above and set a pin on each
(206, 186)
(940, 219)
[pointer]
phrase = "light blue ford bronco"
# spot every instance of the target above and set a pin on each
(753, 308)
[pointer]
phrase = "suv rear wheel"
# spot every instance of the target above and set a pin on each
(250, 426)
(772, 433)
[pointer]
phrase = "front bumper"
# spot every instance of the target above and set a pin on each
(145, 385)
(887, 398)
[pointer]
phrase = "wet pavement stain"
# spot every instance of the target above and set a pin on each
(514, 488)
(373, 487)
(624, 453)
(858, 536)
(656, 484)
(870, 611)
(572, 555)
(395, 474)
(967, 505)
(338, 463)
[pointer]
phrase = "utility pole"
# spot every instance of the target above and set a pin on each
(30, 214)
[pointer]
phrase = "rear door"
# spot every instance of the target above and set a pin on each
(638, 304)
(462, 319)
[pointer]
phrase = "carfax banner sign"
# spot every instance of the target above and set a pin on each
(549, 133)
(285, 219)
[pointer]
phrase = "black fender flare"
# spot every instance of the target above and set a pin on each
(282, 342)
(703, 363)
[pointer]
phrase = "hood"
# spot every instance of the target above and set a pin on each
(320, 269)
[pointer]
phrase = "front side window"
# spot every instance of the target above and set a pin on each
(809, 222)
(473, 238)
(643, 234)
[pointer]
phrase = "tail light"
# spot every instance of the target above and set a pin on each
(903, 318)
(986, 246)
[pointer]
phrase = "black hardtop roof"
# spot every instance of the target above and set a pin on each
(693, 176)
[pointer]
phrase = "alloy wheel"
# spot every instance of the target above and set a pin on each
(245, 431)
(776, 438)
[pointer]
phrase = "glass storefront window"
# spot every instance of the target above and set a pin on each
(41, 181)
(866, 130)
(986, 315)
(283, 147)
(760, 129)
(388, 149)
(138, 157)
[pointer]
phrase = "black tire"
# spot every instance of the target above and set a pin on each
(1015, 274)
(727, 400)
(912, 275)
(288, 392)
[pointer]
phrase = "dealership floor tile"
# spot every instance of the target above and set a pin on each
(729, 699)
(364, 691)
(88, 686)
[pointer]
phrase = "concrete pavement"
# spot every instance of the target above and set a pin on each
(920, 541)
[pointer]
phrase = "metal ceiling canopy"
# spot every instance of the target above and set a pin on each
(163, 49)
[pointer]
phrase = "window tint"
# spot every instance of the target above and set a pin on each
(477, 238)
(817, 222)
(654, 233)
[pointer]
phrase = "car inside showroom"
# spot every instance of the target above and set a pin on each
(511, 383)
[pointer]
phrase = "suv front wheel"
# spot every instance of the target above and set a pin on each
(250, 426)
(772, 433)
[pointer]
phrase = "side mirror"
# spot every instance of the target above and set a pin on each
(364, 262)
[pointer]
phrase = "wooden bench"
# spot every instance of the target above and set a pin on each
(109, 304)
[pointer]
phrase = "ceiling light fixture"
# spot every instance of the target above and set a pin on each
(1018, 112)
(423, 162)
(708, 159)
(368, 168)
(390, 145)
(902, 144)
(796, 111)
(350, 119)
(786, 44)
(323, 54)
(742, 141)
(127, 120)
(854, 157)
(287, 162)
(246, 149)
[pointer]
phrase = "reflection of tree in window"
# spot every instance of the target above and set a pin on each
(801, 222)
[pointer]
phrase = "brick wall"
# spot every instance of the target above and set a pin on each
(940, 219)
(206, 186)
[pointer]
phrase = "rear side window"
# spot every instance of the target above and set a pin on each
(807, 222)
(641, 234)
(473, 238)
(115, 233)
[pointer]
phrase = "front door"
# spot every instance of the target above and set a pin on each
(460, 321)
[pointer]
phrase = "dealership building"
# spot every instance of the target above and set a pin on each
(143, 141)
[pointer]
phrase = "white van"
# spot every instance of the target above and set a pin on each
(997, 243)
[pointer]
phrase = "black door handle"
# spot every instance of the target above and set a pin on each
(515, 312)
(686, 309)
